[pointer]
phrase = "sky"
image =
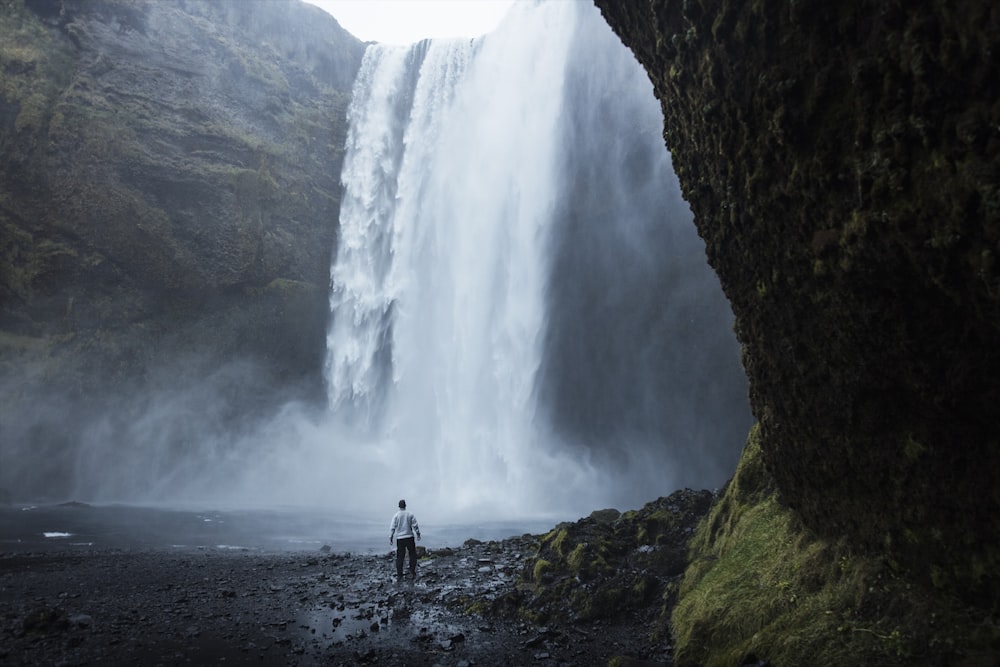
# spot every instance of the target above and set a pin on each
(409, 21)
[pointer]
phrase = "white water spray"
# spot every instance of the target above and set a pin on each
(438, 286)
(523, 324)
(463, 159)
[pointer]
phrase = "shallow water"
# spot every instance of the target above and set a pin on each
(83, 526)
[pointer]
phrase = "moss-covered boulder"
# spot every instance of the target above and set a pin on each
(610, 565)
(168, 209)
(843, 164)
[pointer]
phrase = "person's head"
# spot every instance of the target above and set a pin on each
(402, 504)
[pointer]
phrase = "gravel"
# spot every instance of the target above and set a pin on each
(158, 606)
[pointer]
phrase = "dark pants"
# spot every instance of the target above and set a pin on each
(403, 545)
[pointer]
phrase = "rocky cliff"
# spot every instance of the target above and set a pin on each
(843, 164)
(168, 200)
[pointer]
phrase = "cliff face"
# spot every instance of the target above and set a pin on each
(842, 161)
(170, 189)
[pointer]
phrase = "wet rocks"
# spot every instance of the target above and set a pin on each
(610, 565)
(205, 605)
(846, 189)
(43, 621)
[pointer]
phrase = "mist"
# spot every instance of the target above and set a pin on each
(522, 320)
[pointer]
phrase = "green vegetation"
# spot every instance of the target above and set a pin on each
(540, 568)
(170, 189)
(35, 67)
(555, 539)
(584, 557)
(609, 564)
(760, 584)
(841, 161)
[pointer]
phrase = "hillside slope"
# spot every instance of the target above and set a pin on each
(168, 212)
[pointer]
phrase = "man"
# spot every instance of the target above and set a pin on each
(403, 528)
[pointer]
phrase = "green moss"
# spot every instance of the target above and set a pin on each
(760, 583)
(555, 540)
(36, 66)
(587, 561)
(576, 560)
(477, 607)
(540, 568)
(605, 516)
(873, 362)
(595, 569)
(655, 525)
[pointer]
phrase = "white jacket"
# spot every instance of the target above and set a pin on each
(404, 524)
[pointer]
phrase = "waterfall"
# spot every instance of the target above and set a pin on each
(522, 321)
(513, 253)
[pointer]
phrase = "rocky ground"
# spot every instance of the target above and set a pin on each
(467, 605)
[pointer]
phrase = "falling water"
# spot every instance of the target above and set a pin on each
(523, 324)
(437, 299)
(476, 174)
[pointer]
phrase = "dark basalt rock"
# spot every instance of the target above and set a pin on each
(610, 565)
(170, 195)
(842, 162)
(207, 605)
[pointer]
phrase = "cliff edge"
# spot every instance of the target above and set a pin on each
(168, 211)
(842, 162)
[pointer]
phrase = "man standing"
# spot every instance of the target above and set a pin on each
(403, 528)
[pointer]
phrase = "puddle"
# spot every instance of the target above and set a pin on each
(335, 626)
(406, 612)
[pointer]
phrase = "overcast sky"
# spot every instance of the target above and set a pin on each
(409, 21)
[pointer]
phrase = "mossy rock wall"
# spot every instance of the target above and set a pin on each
(169, 208)
(610, 565)
(762, 586)
(843, 164)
